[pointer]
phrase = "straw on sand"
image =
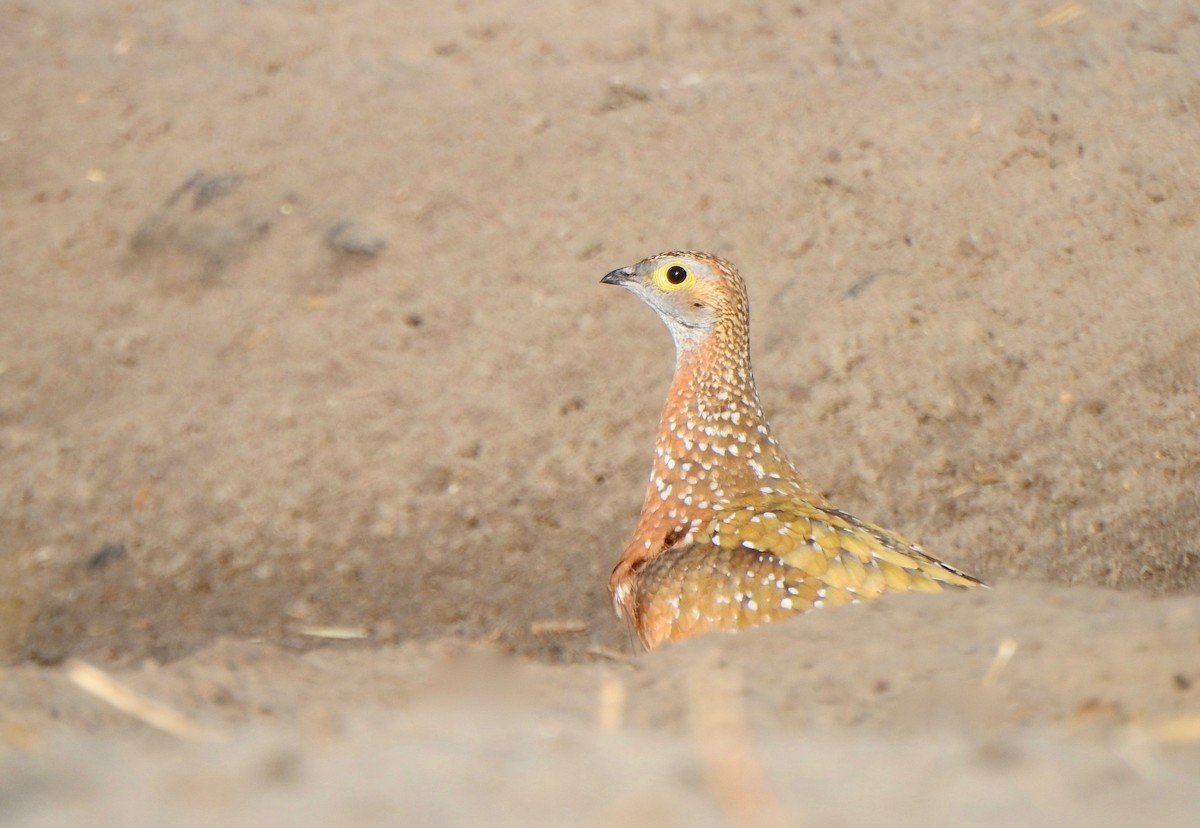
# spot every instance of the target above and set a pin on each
(103, 686)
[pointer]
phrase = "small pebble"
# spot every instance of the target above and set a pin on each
(354, 239)
(107, 554)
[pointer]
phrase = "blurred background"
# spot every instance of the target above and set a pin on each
(302, 349)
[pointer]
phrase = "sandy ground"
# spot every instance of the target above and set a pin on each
(301, 330)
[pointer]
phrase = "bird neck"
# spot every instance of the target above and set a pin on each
(714, 384)
(713, 441)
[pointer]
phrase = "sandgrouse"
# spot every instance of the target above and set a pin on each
(730, 534)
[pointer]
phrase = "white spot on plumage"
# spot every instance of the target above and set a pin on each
(620, 593)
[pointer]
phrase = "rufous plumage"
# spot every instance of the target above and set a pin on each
(730, 534)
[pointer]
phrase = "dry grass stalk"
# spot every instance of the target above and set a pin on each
(103, 686)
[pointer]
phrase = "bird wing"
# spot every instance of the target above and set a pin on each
(845, 554)
(763, 559)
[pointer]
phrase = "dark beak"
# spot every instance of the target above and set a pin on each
(618, 277)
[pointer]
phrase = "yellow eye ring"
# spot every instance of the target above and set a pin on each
(673, 276)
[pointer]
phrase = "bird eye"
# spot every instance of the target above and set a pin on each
(673, 276)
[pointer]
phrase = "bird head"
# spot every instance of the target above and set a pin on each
(693, 293)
